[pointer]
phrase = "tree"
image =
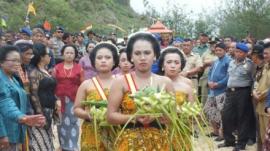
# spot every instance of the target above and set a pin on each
(179, 21)
(243, 17)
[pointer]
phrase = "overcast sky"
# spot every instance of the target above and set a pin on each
(197, 6)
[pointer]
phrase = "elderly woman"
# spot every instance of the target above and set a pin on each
(69, 76)
(13, 102)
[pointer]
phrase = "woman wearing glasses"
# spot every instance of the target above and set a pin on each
(13, 102)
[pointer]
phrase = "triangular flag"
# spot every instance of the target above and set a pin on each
(47, 25)
(31, 8)
(3, 23)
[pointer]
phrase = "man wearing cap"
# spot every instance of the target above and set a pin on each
(238, 108)
(79, 43)
(26, 33)
(261, 88)
(177, 43)
(203, 45)
(257, 58)
(193, 64)
(208, 58)
(56, 42)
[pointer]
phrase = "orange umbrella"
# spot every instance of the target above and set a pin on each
(158, 27)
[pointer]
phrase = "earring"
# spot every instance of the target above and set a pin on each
(131, 60)
(162, 69)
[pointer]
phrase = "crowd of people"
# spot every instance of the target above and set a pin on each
(45, 78)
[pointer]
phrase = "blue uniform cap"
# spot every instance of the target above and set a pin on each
(243, 47)
(27, 31)
(178, 39)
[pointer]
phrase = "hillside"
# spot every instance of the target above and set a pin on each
(74, 15)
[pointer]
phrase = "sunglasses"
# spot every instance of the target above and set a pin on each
(60, 32)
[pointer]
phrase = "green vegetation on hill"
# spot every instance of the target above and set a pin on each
(74, 15)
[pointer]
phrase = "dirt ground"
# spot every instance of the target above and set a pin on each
(204, 143)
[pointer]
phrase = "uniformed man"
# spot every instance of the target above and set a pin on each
(260, 91)
(238, 108)
(207, 59)
(203, 45)
(193, 64)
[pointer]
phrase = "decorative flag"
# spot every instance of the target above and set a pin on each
(3, 23)
(31, 8)
(117, 27)
(88, 27)
(47, 26)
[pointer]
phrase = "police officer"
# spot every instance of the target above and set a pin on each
(238, 108)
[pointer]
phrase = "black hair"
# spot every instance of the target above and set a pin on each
(203, 35)
(187, 40)
(5, 50)
(66, 35)
(266, 45)
(232, 39)
(122, 50)
(90, 32)
(74, 47)
(86, 46)
(109, 46)
(39, 50)
(79, 34)
(170, 50)
(24, 47)
(221, 45)
(142, 36)
(112, 40)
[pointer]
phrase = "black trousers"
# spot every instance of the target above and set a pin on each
(237, 115)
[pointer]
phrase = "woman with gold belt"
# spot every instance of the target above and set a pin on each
(104, 59)
(171, 63)
(144, 133)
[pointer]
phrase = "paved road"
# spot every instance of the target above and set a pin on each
(202, 143)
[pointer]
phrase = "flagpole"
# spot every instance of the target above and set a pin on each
(1, 31)
(26, 21)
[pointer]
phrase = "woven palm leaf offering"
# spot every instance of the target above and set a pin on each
(97, 110)
(192, 114)
(156, 103)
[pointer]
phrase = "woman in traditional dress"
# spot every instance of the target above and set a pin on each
(104, 59)
(85, 62)
(124, 65)
(145, 133)
(43, 100)
(69, 75)
(26, 52)
(171, 63)
(13, 102)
